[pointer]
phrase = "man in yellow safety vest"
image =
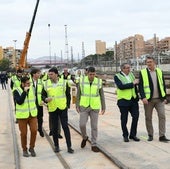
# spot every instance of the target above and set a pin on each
(90, 99)
(26, 114)
(153, 94)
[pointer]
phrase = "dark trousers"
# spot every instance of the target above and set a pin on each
(3, 85)
(63, 116)
(40, 117)
(59, 125)
(133, 108)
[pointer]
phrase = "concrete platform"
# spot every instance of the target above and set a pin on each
(133, 155)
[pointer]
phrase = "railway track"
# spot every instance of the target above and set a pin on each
(62, 156)
(82, 158)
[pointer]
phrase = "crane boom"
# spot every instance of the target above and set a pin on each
(22, 61)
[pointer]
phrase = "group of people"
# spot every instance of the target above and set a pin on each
(151, 89)
(3, 80)
(31, 93)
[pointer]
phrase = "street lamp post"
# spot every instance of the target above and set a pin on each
(15, 59)
(49, 43)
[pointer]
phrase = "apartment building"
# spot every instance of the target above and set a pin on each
(10, 53)
(131, 47)
(164, 45)
(100, 47)
(1, 52)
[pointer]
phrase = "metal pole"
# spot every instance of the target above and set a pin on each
(15, 59)
(66, 44)
(116, 56)
(49, 43)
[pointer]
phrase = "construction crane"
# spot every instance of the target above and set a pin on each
(23, 59)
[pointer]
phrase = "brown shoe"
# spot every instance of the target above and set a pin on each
(95, 149)
(83, 143)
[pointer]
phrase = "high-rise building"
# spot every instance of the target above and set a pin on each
(100, 47)
(1, 53)
(131, 47)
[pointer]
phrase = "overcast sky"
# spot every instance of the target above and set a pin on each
(86, 20)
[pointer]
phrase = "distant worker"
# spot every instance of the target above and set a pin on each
(3, 77)
(78, 76)
(85, 71)
(16, 79)
(127, 101)
(38, 86)
(153, 94)
(90, 99)
(54, 95)
(26, 114)
(44, 76)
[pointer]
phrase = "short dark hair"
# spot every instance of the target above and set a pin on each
(34, 71)
(53, 69)
(19, 71)
(91, 69)
(24, 79)
(150, 57)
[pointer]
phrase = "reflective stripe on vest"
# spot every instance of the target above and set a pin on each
(126, 93)
(28, 108)
(146, 87)
(57, 94)
(39, 90)
(90, 93)
(16, 82)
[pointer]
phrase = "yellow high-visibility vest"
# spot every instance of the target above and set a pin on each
(39, 90)
(145, 78)
(126, 93)
(28, 108)
(90, 93)
(16, 82)
(57, 94)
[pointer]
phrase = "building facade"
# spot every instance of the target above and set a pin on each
(100, 47)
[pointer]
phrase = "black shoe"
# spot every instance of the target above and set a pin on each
(70, 150)
(125, 139)
(60, 136)
(50, 133)
(33, 154)
(163, 139)
(41, 133)
(57, 149)
(95, 149)
(150, 138)
(25, 153)
(134, 138)
(83, 143)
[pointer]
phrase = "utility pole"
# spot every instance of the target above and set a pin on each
(49, 43)
(116, 56)
(15, 58)
(66, 44)
(71, 56)
(155, 50)
(61, 56)
(83, 51)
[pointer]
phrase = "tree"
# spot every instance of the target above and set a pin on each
(5, 64)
